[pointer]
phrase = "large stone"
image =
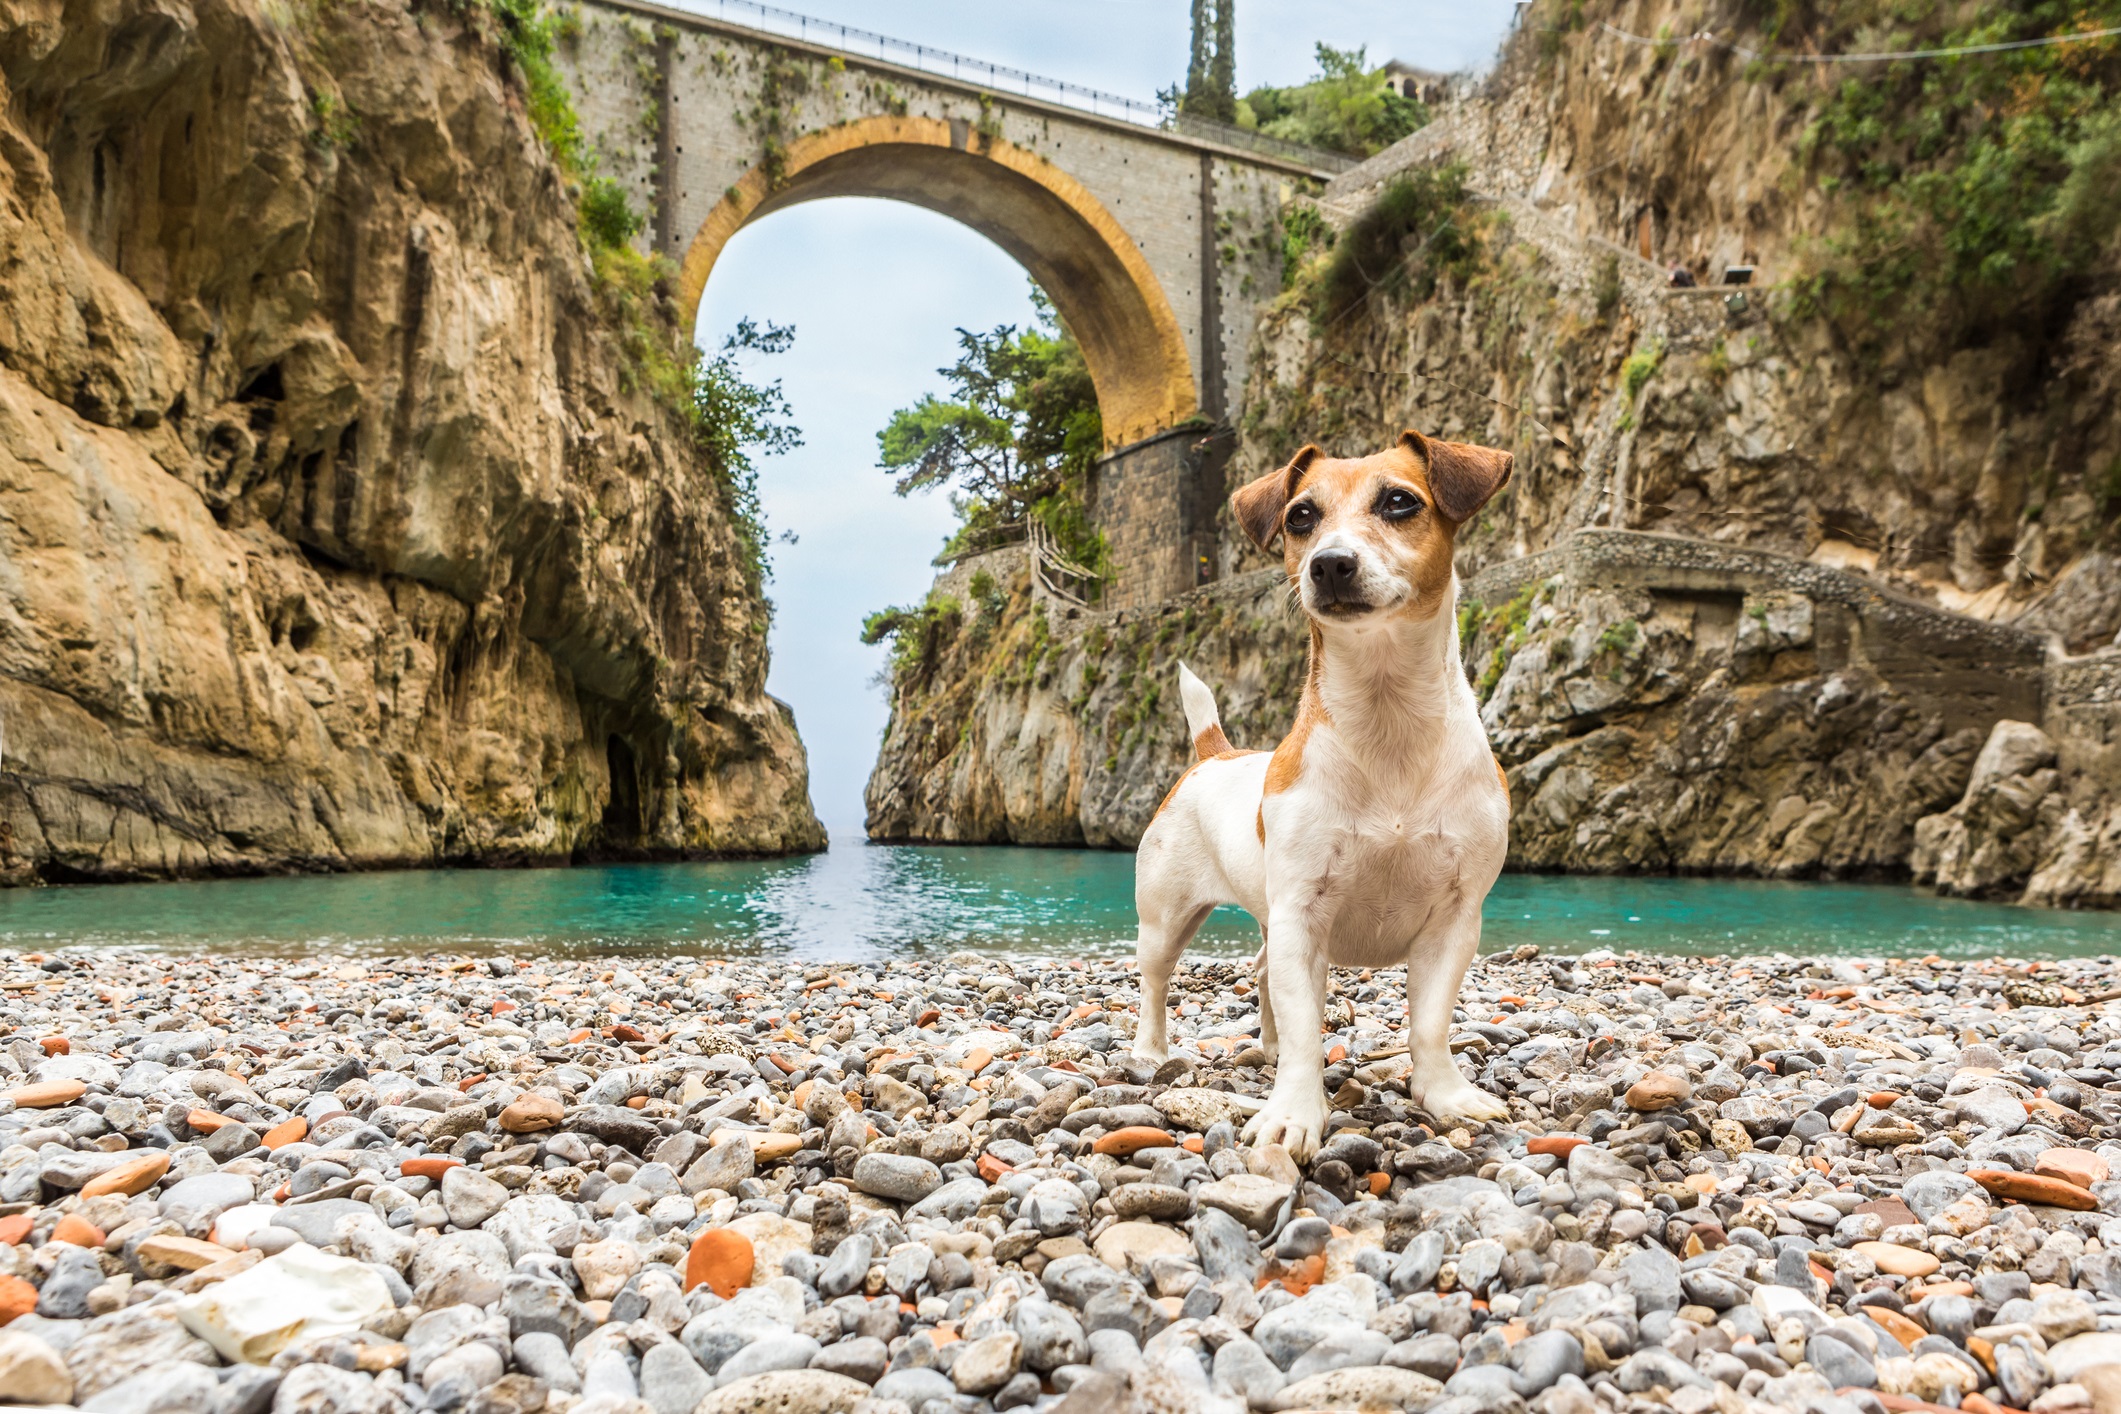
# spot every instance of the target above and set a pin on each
(470, 1197)
(196, 1201)
(31, 1372)
(114, 1348)
(1140, 1241)
(1250, 1198)
(728, 1162)
(1197, 1110)
(1361, 1387)
(787, 1392)
(901, 1178)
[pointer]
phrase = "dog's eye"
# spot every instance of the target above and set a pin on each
(1302, 519)
(1397, 504)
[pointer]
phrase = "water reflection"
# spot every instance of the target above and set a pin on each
(861, 902)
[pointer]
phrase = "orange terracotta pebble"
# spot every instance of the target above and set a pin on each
(1559, 1145)
(47, 1094)
(943, 1335)
(1380, 1184)
(57, 1046)
(2079, 1166)
(17, 1298)
(623, 1032)
(2032, 1188)
(993, 1169)
(206, 1121)
(429, 1166)
(801, 1096)
(15, 1230)
(133, 1176)
(284, 1192)
(721, 1259)
(290, 1132)
(78, 1230)
(578, 1037)
(978, 1059)
(768, 1147)
(928, 1017)
(1193, 1144)
(502, 1006)
(1883, 1099)
(532, 1114)
(1336, 1055)
(1904, 1329)
(638, 1102)
(1133, 1137)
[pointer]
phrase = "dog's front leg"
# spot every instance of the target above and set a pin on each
(1436, 968)
(1295, 974)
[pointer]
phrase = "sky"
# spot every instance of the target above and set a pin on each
(876, 291)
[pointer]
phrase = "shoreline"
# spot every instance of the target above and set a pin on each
(509, 1185)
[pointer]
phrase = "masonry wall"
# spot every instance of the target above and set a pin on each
(732, 93)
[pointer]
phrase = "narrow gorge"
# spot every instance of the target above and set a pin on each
(352, 510)
(1812, 576)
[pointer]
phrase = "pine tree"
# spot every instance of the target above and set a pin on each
(1211, 71)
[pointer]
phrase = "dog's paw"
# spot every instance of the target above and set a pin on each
(1153, 1054)
(1459, 1098)
(1296, 1127)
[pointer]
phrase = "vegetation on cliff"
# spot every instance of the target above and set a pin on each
(1012, 442)
(1967, 196)
(1348, 107)
(732, 417)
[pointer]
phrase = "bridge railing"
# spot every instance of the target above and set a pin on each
(928, 59)
(1230, 135)
(1000, 78)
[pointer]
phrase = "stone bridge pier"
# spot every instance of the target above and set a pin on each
(1157, 247)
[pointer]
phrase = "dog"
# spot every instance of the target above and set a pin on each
(1371, 835)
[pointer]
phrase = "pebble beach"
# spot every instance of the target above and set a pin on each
(683, 1186)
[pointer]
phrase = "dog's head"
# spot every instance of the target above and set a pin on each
(1372, 536)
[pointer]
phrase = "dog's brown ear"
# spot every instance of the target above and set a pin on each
(1462, 477)
(1258, 504)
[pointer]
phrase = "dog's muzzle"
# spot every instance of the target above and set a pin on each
(1334, 576)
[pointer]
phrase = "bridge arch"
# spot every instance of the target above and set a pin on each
(1047, 220)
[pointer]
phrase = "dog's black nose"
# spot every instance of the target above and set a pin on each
(1333, 574)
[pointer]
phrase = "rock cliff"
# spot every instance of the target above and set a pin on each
(336, 525)
(1901, 517)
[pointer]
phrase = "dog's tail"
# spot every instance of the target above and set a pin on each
(1202, 720)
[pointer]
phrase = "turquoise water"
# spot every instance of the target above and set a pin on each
(864, 901)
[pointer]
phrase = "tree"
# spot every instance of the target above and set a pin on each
(1014, 437)
(1211, 70)
(1348, 108)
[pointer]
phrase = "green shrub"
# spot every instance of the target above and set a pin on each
(1303, 233)
(1968, 196)
(1348, 108)
(1420, 228)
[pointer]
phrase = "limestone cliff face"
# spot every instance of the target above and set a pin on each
(1891, 541)
(333, 531)
(1968, 465)
(1023, 725)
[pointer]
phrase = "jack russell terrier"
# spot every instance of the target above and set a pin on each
(1370, 836)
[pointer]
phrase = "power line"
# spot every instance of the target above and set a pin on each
(1703, 36)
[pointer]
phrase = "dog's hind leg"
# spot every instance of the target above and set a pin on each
(1158, 943)
(1269, 1035)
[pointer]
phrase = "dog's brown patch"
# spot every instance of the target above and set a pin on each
(1211, 743)
(1502, 776)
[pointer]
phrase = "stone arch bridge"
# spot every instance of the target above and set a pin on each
(1158, 247)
